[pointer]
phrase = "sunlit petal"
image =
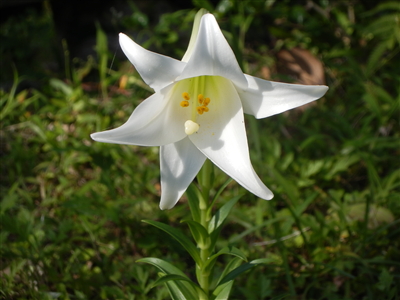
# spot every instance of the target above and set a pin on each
(180, 163)
(222, 136)
(156, 70)
(193, 36)
(156, 121)
(266, 98)
(212, 55)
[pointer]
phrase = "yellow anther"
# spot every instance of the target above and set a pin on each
(184, 103)
(206, 101)
(200, 97)
(205, 108)
(185, 96)
(200, 109)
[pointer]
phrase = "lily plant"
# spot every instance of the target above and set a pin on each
(197, 110)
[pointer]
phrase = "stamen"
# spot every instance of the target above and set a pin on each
(200, 97)
(185, 96)
(191, 127)
(184, 103)
(200, 106)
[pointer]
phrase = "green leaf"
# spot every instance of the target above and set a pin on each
(217, 220)
(182, 239)
(176, 292)
(239, 270)
(221, 214)
(287, 185)
(62, 86)
(393, 5)
(375, 58)
(231, 265)
(384, 26)
(181, 289)
(9, 200)
(300, 208)
(222, 291)
(170, 277)
(193, 199)
(227, 250)
(385, 280)
(101, 40)
(165, 278)
(342, 164)
(163, 266)
(219, 192)
(199, 233)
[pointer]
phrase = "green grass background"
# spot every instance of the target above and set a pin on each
(71, 208)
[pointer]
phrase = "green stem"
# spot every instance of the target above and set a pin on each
(204, 179)
(204, 279)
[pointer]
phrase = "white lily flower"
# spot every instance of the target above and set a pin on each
(197, 110)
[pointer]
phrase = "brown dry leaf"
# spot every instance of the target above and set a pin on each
(266, 73)
(302, 65)
(338, 281)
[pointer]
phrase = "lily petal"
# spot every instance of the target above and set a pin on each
(180, 163)
(155, 122)
(156, 70)
(212, 55)
(265, 98)
(222, 136)
(193, 36)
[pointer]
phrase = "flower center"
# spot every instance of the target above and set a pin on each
(198, 105)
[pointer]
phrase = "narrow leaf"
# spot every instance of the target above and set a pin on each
(163, 266)
(181, 289)
(199, 233)
(222, 291)
(172, 277)
(239, 270)
(231, 265)
(176, 292)
(177, 235)
(220, 192)
(221, 214)
(193, 202)
(217, 220)
(227, 250)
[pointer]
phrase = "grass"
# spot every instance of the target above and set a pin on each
(71, 208)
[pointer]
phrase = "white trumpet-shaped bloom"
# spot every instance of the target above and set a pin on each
(197, 110)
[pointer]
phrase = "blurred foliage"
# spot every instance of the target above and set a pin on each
(71, 208)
